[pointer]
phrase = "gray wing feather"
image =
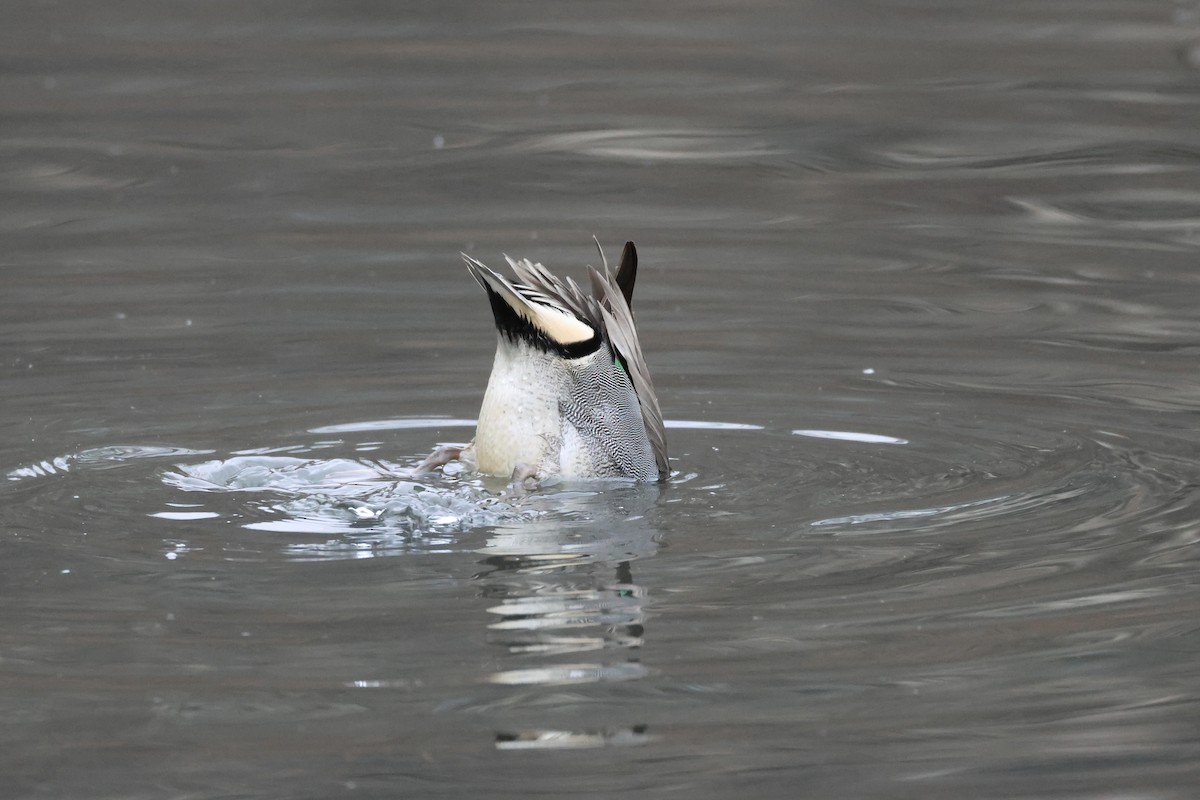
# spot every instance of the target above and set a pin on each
(621, 332)
(555, 290)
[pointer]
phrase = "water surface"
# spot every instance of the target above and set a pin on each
(918, 293)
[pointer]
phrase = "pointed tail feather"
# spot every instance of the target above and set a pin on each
(627, 272)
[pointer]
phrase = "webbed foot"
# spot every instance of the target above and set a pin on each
(521, 473)
(438, 458)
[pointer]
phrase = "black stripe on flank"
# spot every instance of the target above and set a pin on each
(516, 328)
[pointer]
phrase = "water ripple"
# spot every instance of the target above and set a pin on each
(643, 145)
(1142, 209)
(99, 457)
(977, 155)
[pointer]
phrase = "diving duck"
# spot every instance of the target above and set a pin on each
(570, 394)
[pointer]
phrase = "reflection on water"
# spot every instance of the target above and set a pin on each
(565, 592)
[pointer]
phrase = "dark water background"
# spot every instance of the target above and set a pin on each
(919, 292)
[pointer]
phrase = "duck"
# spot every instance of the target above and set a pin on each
(570, 395)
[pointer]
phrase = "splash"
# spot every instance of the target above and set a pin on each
(286, 494)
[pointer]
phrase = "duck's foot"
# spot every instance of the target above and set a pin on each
(438, 458)
(521, 473)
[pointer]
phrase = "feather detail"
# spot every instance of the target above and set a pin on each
(557, 324)
(541, 283)
(626, 272)
(620, 331)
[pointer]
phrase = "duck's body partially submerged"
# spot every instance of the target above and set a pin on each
(570, 394)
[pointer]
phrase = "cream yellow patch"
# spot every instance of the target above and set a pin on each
(560, 326)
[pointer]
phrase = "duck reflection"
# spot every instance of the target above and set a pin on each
(565, 606)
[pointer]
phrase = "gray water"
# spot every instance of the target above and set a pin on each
(918, 292)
